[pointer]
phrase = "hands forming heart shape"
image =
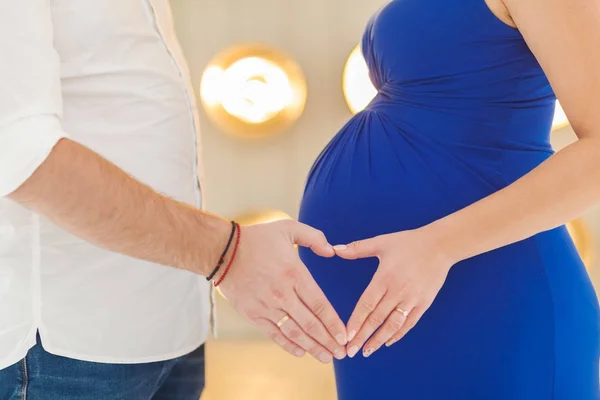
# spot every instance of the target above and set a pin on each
(273, 289)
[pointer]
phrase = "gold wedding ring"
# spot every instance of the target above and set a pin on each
(403, 312)
(283, 320)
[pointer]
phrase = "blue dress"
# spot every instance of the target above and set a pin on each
(463, 109)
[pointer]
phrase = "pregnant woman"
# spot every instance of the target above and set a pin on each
(452, 203)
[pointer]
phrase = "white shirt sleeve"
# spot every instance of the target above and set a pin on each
(30, 93)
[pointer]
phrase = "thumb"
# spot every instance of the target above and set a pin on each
(307, 236)
(359, 249)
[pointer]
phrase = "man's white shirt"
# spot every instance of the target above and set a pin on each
(110, 75)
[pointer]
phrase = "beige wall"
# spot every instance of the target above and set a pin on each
(243, 176)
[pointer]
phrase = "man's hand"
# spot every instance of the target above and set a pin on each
(267, 281)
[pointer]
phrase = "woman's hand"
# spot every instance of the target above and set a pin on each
(411, 272)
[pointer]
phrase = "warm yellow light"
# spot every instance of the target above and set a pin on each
(582, 237)
(358, 89)
(210, 86)
(253, 91)
(262, 217)
(560, 118)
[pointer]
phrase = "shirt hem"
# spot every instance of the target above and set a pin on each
(57, 351)
(17, 355)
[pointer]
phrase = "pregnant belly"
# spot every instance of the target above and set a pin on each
(500, 308)
(375, 169)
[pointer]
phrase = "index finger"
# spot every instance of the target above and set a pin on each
(315, 300)
(367, 303)
(315, 331)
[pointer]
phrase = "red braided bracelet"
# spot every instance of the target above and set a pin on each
(237, 244)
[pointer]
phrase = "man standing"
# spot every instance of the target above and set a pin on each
(102, 279)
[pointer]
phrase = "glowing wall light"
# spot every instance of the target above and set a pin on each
(253, 91)
(359, 91)
(560, 118)
(357, 86)
(582, 237)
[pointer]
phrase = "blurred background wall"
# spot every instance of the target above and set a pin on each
(246, 176)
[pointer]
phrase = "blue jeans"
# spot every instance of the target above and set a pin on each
(43, 376)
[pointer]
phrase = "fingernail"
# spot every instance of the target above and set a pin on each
(325, 358)
(341, 339)
(351, 335)
(339, 354)
(299, 353)
(367, 352)
(340, 247)
(390, 342)
(352, 352)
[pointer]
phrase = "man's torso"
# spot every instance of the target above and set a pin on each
(126, 95)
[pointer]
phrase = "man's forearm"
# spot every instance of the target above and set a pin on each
(95, 200)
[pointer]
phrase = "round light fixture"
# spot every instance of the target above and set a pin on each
(357, 86)
(582, 237)
(253, 91)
